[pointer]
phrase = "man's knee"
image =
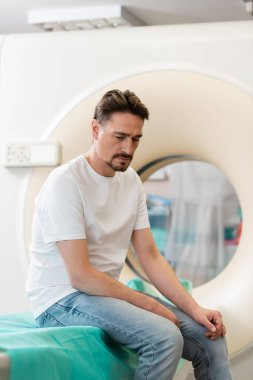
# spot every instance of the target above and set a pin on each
(171, 338)
(177, 341)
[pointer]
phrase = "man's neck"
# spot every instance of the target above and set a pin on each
(101, 168)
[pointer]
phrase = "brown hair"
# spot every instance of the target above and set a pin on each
(118, 101)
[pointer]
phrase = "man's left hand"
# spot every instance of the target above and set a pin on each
(212, 320)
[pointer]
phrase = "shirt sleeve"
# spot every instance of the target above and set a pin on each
(142, 220)
(60, 210)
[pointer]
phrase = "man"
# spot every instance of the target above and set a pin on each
(86, 214)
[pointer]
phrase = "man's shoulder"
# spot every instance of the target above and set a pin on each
(130, 177)
(133, 174)
(63, 175)
(69, 169)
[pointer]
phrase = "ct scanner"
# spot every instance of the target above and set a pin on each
(197, 82)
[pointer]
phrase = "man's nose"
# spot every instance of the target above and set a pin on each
(128, 146)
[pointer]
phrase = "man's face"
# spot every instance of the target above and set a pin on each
(116, 141)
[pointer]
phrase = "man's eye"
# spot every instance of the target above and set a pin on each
(120, 137)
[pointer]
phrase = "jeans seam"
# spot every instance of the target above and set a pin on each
(204, 351)
(74, 310)
(47, 313)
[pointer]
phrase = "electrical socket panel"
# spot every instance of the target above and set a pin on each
(30, 154)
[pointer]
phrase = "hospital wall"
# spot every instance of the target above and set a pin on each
(44, 76)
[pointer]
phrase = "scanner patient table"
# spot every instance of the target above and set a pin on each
(68, 353)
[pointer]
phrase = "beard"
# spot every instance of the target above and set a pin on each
(122, 164)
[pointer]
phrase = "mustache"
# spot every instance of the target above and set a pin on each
(122, 155)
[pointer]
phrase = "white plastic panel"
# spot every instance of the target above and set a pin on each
(44, 77)
(199, 116)
(30, 154)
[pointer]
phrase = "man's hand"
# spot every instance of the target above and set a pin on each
(163, 277)
(212, 320)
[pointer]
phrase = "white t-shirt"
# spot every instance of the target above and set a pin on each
(76, 202)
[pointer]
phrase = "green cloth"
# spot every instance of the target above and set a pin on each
(67, 353)
(144, 287)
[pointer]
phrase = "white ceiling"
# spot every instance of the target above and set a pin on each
(13, 13)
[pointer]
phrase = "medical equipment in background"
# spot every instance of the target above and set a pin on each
(195, 218)
(199, 90)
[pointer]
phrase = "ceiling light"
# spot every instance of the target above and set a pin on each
(249, 6)
(82, 18)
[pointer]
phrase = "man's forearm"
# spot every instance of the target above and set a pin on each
(94, 282)
(165, 280)
(97, 283)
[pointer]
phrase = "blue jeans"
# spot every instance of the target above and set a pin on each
(157, 341)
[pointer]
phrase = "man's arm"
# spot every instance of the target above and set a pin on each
(89, 280)
(165, 280)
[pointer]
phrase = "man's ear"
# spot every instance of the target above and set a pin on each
(95, 127)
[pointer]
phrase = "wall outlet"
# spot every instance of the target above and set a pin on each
(30, 154)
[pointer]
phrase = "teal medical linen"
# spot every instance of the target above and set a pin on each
(67, 353)
(144, 287)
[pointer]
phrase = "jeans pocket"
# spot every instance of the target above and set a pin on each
(47, 320)
(40, 320)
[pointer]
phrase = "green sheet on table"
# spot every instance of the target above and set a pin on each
(67, 353)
